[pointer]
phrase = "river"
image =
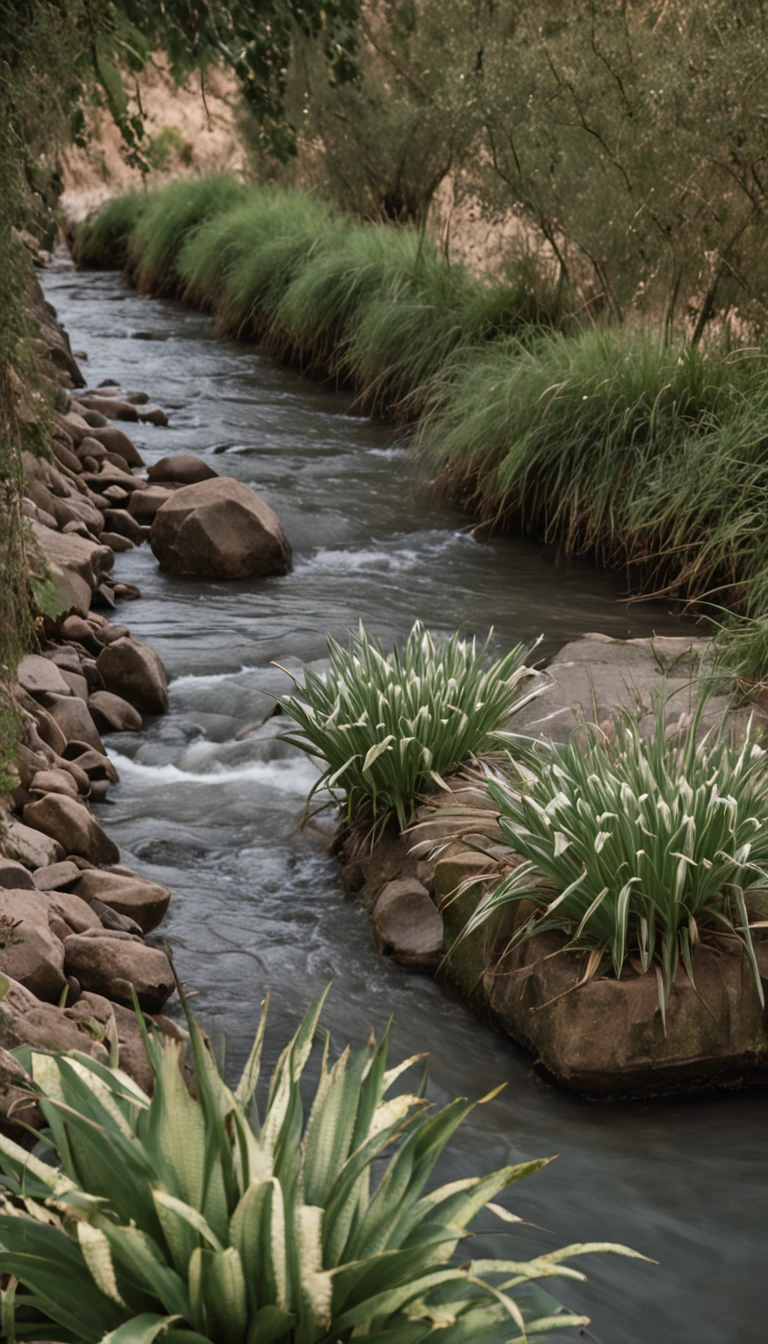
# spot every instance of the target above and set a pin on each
(256, 904)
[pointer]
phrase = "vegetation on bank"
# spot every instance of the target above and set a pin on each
(389, 727)
(645, 451)
(637, 847)
(192, 1217)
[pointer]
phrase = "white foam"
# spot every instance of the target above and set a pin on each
(327, 560)
(209, 678)
(286, 775)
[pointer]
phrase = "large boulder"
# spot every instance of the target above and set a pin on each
(30, 846)
(30, 951)
(73, 826)
(183, 467)
(144, 901)
(408, 928)
(133, 671)
(111, 963)
(68, 551)
(75, 721)
(219, 529)
(112, 713)
(40, 677)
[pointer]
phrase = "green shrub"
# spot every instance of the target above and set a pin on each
(102, 239)
(638, 846)
(390, 727)
(188, 1218)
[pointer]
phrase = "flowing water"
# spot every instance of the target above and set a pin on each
(256, 904)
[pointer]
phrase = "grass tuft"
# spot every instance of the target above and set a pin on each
(390, 727)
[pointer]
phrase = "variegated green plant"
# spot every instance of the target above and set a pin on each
(191, 1219)
(638, 846)
(390, 727)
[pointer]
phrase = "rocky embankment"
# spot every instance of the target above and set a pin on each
(73, 920)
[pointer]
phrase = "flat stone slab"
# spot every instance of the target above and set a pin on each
(593, 676)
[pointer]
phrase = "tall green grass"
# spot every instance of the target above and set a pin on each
(375, 306)
(613, 442)
(102, 239)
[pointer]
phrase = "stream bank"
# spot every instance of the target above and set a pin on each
(212, 815)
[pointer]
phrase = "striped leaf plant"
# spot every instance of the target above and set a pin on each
(193, 1218)
(390, 727)
(638, 846)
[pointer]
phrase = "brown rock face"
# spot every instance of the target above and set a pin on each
(73, 826)
(132, 670)
(110, 963)
(408, 927)
(54, 781)
(134, 896)
(219, 529)
(184, 467)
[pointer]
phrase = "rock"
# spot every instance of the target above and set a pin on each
(407, 926)
(74, 719)
(39, 676)
(110, 963)
(29, 845)
(122, 522)
(28, 762)
(76, 683)
(103, 596)
(183, 467)
(30, 952)
(127, 893)
(24, 1020)
(110, 407)
(352, 879)
(93, 765)
(112, 474)
(56, 876)
(112, 713)
(145, 503)
(109, 633)
(115, 441)
(110, 919)
(48, 730)
(133, 670)
(153, 415)
(73, 826)
(219, 529)
(84, 558)
(54, 781)
(83, 511)
(115, 541)
(31, 510)
(91, 448)
(75, 627)
(73, 594)
(65, 456)
(74, 425)
(74, 915)
(15, 876)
